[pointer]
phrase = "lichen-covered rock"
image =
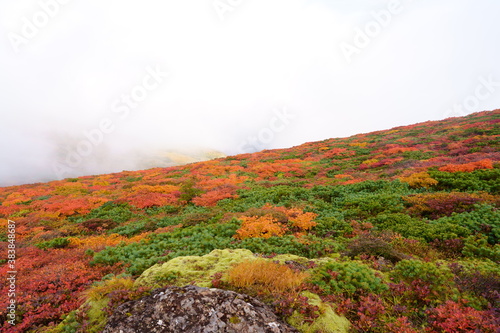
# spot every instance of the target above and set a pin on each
(201, 270)
(193, 309)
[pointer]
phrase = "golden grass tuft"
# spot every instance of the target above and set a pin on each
(102, 289)
(261, 276)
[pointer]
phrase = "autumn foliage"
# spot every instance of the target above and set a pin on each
(419, 179)
(468, 167)
(274, 221)
(435, 205)
(259, 226)
(457, 317)
(388, 213)
(259, 276)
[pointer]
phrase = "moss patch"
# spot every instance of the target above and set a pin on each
(200, 270)
(301, 260)
(328, 322)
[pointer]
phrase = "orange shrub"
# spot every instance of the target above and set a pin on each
(468, 167)
(259, 226)
(146, 200)
(155, 189)
(343, 176)
(9, 210)
(271, 221)
(96, 243)
(211, 183)
(15, 198)
(260, 276)
(72, 206)
(301, 220)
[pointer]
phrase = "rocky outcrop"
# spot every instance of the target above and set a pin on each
(200, 270)
(193, 309)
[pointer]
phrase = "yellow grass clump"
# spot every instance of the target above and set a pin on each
(261, 276)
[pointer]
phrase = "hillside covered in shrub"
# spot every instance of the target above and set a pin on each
(390, 231)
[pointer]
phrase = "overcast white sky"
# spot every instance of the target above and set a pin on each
(282, 71)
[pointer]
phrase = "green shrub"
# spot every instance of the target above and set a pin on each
(280, 195)
(168, 221)
(410, 227)
(362, 200)
(56, 243)
(117, 212)
(347, 277)
(418, 155)
(131, 229)
(401, 223)
(203, 238)
(408, 270)
(478, 247)
(443, 230)
(478, 180)
(163, 209)
(338, 195)
(43, 197)
(366, 205)
(309, 246)
(437, 277)
(133, 179)
(196, 240)
(330, 226)
(485, 219)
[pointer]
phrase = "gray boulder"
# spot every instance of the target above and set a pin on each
(193, 309)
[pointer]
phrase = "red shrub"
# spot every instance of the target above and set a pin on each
(452, 317)
(211, 198)
(48, 286)
(436, 205)
(147, 200)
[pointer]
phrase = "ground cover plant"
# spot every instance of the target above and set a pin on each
(391, 231)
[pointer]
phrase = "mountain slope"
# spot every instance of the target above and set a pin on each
(408, 216)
